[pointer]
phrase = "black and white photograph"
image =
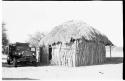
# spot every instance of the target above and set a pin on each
(62, 40)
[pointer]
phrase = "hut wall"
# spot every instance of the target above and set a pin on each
(55, 55)
(63, 55)
(88, 53)
(78, 54)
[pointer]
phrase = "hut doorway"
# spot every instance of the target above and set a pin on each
(41, 54)
(50, 52)
(44, 56)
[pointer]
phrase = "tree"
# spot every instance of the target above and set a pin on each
(5, 40)
(35, 39)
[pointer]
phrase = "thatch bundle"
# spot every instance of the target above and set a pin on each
(75, 43)
(89, 53)
(64, 55)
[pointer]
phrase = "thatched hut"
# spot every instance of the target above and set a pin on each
(75, 43)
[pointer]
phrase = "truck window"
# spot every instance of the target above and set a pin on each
(32, 49)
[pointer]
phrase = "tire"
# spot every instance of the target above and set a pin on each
(34, 63)
(15, 62)
(8, 60)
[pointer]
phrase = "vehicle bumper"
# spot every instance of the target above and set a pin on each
(26, 59)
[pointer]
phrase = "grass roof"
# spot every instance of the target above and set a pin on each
(74, 30)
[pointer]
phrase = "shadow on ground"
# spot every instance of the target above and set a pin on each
(18, 79)
(4, 64)
(112, 60)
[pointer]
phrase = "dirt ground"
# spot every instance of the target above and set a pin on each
(111, 70)
(97, 72)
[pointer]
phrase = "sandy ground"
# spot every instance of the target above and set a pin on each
(109, 71)
(97, 72)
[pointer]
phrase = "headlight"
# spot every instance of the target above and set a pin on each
(34, 54)
(19, 53)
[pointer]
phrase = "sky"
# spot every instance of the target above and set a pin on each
(23, 18)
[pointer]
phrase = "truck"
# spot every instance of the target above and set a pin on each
(21, 52)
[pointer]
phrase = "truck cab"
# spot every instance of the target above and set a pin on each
(21, 52)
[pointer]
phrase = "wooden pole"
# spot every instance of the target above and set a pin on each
(110, 51)
(59, 55)
(75, 56)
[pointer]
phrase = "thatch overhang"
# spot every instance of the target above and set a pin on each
(74, 30)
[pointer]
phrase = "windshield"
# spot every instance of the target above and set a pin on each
(22, 48)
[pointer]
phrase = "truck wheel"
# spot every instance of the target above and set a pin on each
(34, 63)
(8, 60)
(15, 62)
